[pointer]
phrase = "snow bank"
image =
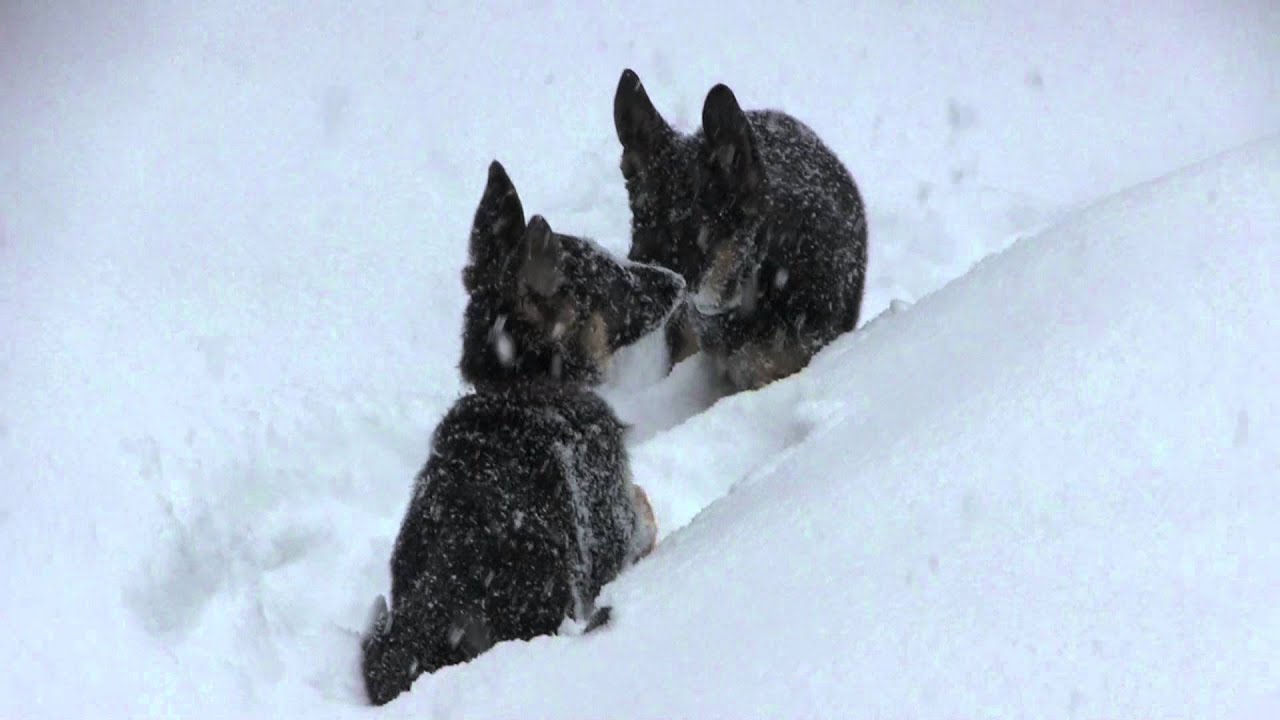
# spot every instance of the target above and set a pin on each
(229, 307)
(1046, 490)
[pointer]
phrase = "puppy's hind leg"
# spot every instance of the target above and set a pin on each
(759, 363)
(645, 535)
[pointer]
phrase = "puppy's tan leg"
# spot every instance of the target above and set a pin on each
(646, 534)
(757, 364)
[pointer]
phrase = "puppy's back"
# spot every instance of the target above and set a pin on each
(819, 224)
(803, 172)
(522, 512)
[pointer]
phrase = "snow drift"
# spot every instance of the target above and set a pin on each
(1047, 490)
(229, 313)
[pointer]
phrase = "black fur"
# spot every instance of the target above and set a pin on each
(758, 216)
(524, 285)
(525, 507)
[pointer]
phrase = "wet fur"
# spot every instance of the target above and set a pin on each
(762, 220)
(525, 507)
(552, 308)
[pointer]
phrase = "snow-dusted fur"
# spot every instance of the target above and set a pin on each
(525, 507)
(759, 217)
(549, 306)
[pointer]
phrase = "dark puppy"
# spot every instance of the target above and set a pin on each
(525, 508)
(758, 216)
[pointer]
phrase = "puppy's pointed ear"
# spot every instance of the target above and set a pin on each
(641, 129)
(731, 148)
(541, 270)
(496, 230)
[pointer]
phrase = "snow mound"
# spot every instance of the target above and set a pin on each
(230, 239)
(1047, 489)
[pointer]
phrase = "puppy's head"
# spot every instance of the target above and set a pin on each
(731, 202)
(549, 306)
(659, 166)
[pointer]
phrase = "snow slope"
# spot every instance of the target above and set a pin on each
(229, 302)
(1048, 489)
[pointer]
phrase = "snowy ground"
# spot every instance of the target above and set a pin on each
(229, 312)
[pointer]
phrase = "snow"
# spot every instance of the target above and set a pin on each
(1065, 518)
(230, 307)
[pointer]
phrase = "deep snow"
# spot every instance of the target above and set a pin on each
(997, 502)
(229, 312)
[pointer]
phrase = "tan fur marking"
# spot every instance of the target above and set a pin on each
(687, 339)
(528, 309)
(563, 320)
(594, 340)
(717, 277)
(758, 364)
(646, 522)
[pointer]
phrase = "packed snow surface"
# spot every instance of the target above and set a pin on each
(1044, 485)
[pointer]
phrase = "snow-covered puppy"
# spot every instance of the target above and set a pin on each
(761, 219)
(525, 507)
